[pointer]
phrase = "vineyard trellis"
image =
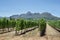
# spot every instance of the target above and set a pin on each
(55, 24)
(21, 25)
(16, 24)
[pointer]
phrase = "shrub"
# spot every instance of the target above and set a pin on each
(42, 26)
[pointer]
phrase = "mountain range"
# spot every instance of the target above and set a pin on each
(30, 15)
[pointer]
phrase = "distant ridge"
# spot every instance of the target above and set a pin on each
(30, 15)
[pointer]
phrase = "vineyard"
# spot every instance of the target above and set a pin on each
(20, 25)
(34, 28)
(55, 24)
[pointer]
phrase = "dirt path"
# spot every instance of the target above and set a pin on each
(51, 31)
(52, 34)
(7, 36)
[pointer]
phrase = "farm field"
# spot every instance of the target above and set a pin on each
(51, 34)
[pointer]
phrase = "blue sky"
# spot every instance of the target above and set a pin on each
(12, 7)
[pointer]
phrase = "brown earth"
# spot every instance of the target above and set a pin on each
(51, 34)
